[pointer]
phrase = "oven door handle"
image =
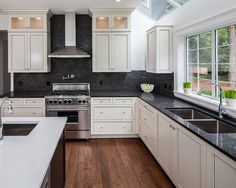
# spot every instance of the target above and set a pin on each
(65, 110)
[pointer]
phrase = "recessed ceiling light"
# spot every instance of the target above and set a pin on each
(118, 0)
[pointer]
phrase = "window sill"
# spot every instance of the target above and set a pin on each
(206, 102)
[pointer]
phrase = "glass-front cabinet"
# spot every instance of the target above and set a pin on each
(28, 22)
(111, 20)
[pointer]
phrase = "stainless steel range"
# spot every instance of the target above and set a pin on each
(71, 101)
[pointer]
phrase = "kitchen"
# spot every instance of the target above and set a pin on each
(118, 93)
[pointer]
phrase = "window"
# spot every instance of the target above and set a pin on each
(211, 57)
(146, 3)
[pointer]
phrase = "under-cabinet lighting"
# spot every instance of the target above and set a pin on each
(38, 18)
(20, 18)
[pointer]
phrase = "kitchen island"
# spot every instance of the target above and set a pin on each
(25, 160)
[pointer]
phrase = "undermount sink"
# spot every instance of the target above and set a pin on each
(213, 126)
(203, 121)
(189, 113)
(14, 129)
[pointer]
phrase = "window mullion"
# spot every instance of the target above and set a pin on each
(213, 46)
(198, 59)
(216, 62)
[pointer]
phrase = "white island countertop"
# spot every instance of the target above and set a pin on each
(24, 160)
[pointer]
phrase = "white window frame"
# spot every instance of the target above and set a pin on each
(146, 4)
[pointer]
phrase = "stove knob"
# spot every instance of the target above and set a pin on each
(70, 101)
(55, 101)
(50, 101)
(79, 101)
(84, 101)
(65, 101)
(60, 101)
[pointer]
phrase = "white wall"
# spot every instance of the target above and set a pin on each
(3, 22)
(139, 25)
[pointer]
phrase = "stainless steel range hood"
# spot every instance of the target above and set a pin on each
(70, 50)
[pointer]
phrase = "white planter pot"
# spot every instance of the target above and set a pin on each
(187, 90)
(231, 102)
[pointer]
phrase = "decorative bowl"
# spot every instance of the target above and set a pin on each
(147, 88)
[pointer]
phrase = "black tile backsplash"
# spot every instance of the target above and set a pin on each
(82, 68)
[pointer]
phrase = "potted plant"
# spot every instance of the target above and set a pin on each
(187, 87)
(230, 97)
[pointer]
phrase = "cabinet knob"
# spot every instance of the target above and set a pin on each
(101, 127)
(101, 112)
(123, 112)
(124, 127)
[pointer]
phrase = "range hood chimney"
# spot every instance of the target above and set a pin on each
(70, 50)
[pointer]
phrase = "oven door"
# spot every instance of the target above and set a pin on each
(77, 120)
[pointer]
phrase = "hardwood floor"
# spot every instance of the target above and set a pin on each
(112, 163)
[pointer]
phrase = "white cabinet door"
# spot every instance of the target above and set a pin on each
(151, 51)
(101, 52)
(120, 57)
(37, 45)
(167, 146)
(221, 170)
(191, 161)
(159, 49)
(17, 52)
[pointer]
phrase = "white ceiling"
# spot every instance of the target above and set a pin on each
(60, 6)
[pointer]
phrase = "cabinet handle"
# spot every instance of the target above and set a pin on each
(145, 119)
(124, 127)
(173, 128)
(101, 101)
(123, 112)
(170, 126)
(34, 113)
(101, 112)
(101, 127)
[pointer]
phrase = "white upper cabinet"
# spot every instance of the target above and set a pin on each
(111, 19)
(111, 40)
(159, 49)
(28, 21)
(28, 41)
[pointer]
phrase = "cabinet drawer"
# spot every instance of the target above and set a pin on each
(33, 101)
(15, 102)
(123, 101)
(148, 139)
(119, 113)
(24, 112)
(148, 119)
(112, 127)
(102, 101)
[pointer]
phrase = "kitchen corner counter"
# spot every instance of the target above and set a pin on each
(25, 94)
(24, 160)
(224, 142)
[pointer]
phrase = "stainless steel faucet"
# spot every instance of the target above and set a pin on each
(220, 110)
(10, 110)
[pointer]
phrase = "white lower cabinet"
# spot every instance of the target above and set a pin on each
(25, 107)
(191, 161)
(167, 146)
(221, 170)
(148, 126)
(113, 116)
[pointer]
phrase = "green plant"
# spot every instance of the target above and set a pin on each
(230, 94)
(187, 85)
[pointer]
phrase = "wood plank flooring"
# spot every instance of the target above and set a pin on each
(112, 163)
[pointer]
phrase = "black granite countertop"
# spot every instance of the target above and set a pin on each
(25, 94)
(225, 142)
